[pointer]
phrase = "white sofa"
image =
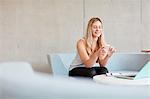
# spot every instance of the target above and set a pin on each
(19, 81)
(41, 86)
(60, 62)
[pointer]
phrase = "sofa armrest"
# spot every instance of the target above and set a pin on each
(57, 66)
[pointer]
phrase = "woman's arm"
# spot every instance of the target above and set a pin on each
(88, 61)
(105, 55)
(103, 62)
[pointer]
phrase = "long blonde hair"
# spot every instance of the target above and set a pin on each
(88, 36)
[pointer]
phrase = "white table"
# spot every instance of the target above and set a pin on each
(111, 80)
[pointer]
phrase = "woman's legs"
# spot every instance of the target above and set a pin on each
(82, 71)
(88, 72)
(100, 70)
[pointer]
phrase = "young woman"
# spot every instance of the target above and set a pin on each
(91, 51)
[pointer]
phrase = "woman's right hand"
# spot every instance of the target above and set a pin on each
(102, 53)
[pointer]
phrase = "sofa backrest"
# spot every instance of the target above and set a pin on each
(60, 62)
(127, 61)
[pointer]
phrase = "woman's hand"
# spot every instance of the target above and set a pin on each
(111, 50)
(102, 53)
(105, 54)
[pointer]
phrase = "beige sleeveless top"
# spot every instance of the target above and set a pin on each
(78, 63)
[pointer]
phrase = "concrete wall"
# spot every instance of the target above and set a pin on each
(29, 29)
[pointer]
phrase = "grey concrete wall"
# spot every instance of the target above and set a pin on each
(29, 29)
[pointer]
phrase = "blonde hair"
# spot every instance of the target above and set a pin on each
(88, 36)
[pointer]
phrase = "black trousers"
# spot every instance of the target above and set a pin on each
(88, 72)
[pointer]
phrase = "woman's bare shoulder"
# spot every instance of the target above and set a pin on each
(81, 47)
(81, 43)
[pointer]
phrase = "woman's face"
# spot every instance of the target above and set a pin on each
(96, 29)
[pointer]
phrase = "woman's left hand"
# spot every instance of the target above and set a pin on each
(111, 50)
